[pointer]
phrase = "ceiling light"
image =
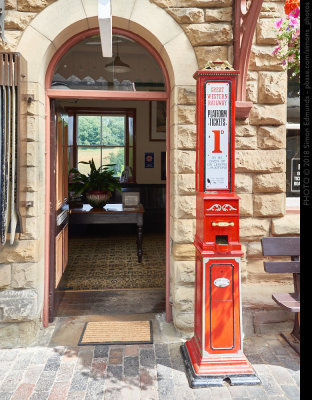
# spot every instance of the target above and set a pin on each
(117, 66)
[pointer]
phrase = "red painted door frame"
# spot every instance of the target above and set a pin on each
(97, 95)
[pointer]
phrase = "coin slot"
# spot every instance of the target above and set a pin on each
(222, 239)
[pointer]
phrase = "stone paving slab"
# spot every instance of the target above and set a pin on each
(139, 372)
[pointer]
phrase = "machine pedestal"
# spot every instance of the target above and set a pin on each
(214, 370)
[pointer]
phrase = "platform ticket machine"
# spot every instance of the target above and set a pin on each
(215, 352)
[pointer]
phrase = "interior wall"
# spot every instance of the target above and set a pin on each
(143, 143)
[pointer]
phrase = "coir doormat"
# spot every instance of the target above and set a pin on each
(116, 332)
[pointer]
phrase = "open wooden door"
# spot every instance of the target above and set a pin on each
(58, 205)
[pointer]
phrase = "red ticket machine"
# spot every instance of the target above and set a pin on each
(215, 352)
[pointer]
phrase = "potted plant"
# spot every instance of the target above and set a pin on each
(97, 186)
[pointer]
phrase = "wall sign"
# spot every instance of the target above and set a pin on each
(217, 135)
(295, 175)
(149, 160)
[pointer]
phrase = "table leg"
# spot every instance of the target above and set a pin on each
(139, 243)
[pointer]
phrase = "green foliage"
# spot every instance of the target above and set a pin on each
(89, 130)
(98, 179)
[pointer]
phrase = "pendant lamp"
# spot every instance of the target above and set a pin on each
(117, 66)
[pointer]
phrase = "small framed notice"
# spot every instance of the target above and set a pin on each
(149, 160)
(217, 135)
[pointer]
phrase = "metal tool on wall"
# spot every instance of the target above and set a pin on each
(10, 74)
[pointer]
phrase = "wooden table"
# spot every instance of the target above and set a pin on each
(111, 214)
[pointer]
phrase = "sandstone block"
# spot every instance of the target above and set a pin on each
(10, 4)
(252, 91)
(246, 143)
(187, 15)
(268, 183)
(16, 334)
(260, 161)
(252, 229)
(245, 205)
(33, 5)
(288, 225)
(266, 32)
(5, 275)
(272, 87)
(252, 76)
(183, 272)
(20, 251)
(268, 115)
(186, 183)
(266, 205)
(243, 183)
(186, 114)
(183, 207)
(183, 298)
(183, 161)
(209, 33)
(218, 14)
(24, 275)
(262, 59)
(186, 137)
(271, 10)
(245, 130)
(183, 322)
(272, 137)
(183, 252)
(16, 20)
(32, 154)
(256, 274)
(254, 250)
(183, 230)
(18, 305)
(12, 39)
(187, 95)
(210, 53)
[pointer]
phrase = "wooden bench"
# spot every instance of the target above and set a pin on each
(278, 247)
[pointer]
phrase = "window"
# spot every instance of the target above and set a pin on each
(107, 137)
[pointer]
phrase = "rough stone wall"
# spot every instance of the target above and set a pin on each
(260, 169)
(260, 178)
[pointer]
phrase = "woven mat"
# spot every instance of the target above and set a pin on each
(116, 332)
(111, 262)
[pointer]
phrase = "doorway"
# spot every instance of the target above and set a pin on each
(104, 257)
(143, 151)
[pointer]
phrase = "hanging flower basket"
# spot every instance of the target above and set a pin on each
(288, 37)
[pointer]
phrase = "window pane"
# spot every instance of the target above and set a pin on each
(89, 130)
(113, 130)
(114, 155)
(293, 163)
(130, 119)
(131, 68)
(86, 154)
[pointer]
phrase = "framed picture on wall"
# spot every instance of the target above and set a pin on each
(158, 121)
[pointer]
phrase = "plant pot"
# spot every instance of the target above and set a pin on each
(98, 198)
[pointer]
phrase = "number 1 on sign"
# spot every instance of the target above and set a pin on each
(217, 141)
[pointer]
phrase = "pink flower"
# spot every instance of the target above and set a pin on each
(278, 23)
(296, 13)
(276, 50)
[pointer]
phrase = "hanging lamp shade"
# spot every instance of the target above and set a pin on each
(117, 66)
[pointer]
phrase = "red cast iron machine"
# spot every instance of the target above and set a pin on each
(215, 352)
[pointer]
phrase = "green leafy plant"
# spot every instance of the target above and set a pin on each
(98, 180)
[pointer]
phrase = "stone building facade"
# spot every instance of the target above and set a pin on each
(186, 34)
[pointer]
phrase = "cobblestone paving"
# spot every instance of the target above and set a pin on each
(153, 372)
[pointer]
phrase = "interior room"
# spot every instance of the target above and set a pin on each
(121, 244)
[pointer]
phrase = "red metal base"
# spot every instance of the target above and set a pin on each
(213, 370)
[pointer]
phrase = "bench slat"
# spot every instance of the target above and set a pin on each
(276, 267)
(281, 246)
(288, 301)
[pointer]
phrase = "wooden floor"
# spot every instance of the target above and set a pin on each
(109, 302)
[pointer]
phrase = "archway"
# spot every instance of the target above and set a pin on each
(46, 36)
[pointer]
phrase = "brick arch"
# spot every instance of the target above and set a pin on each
(63, 19)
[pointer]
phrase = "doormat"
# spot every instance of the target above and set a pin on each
(116, 332)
